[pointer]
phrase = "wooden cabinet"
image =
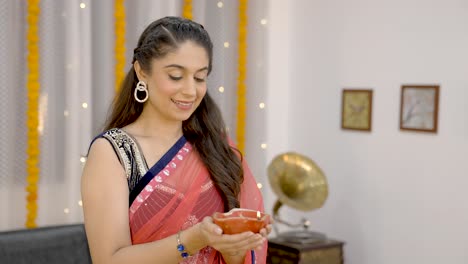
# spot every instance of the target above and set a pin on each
(324, 252)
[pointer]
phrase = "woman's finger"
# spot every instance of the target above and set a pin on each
(266, 231)
(211, 226)
(239, 242)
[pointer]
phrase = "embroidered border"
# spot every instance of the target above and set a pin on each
(153, 184)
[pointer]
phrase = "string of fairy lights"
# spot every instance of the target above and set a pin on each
(119, 58)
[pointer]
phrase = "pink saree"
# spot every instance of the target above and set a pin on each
(178, 193)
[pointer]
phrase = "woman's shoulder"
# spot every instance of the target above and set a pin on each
(105, 140)
(115, 136)
(113, 133)
(102, 165)
(118, 143)
(100, 146)
(111, 139)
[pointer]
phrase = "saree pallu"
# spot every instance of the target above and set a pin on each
(177, 193)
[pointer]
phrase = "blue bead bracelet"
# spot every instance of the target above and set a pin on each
(183, 253)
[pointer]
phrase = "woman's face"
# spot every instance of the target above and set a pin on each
(177, 82)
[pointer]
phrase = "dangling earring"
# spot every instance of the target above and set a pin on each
(141, 87)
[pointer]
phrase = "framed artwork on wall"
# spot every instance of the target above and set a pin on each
(356, 109)
(419, 107)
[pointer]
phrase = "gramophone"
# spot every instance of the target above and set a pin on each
(299, 183)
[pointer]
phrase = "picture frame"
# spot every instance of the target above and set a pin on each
(419, 107)
(356, 109)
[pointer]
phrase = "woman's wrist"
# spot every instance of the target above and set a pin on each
(192, 240)
(180, 247)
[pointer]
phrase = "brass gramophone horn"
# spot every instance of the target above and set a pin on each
(299, 183)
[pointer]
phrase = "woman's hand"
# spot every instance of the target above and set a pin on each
(266, 231)
(231, 245)
(238, 244)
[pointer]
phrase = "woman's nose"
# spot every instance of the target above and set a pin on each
(190, 87)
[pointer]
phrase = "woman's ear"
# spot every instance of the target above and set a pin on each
(139, 71)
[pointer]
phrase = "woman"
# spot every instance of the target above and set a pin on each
(137, 212)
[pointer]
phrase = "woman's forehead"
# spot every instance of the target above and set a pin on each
(187, 55)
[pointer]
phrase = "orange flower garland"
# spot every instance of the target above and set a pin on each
(32, 121)
(242, 68)
(119, 46)
(187, 9)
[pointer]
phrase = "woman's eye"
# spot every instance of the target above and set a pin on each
(175, 78)
(199, 79)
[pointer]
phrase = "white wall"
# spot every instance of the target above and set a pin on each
(395, 197)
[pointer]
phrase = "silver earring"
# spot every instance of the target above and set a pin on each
(141, 87)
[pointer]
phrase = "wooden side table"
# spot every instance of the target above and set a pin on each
(324, 252)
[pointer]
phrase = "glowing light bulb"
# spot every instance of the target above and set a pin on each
(80, 203)
(220, 4)
(263, 145)
(226, 44)
(263, 21)
(66, 210)
(82, 5)
(261, 105)
(221, 89)
(259, 185)
(84, 105)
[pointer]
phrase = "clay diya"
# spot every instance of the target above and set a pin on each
(240, 220)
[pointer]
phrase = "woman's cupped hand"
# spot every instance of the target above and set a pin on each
(234, 244)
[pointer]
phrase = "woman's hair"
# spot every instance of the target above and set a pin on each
(205, 129)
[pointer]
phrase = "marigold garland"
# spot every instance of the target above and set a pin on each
(242, 75)
(32, 119)
(119, 46)
(187, 9)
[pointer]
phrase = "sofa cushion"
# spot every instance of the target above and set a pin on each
(55, 244)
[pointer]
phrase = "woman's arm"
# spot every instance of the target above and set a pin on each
(105, 204)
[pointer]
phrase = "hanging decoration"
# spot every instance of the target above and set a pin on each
(187, 9)
(242, 75)
(119, 46)
(32, 119)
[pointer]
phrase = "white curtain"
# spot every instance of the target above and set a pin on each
(77, 86)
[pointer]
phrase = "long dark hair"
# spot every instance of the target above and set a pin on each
(205, 129)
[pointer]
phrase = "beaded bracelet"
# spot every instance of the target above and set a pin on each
(183, 253)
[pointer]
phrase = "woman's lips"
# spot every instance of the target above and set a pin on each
(184, 105)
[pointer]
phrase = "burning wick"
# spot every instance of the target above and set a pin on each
(258, 215)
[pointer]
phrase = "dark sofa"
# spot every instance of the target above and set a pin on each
(51, 245)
